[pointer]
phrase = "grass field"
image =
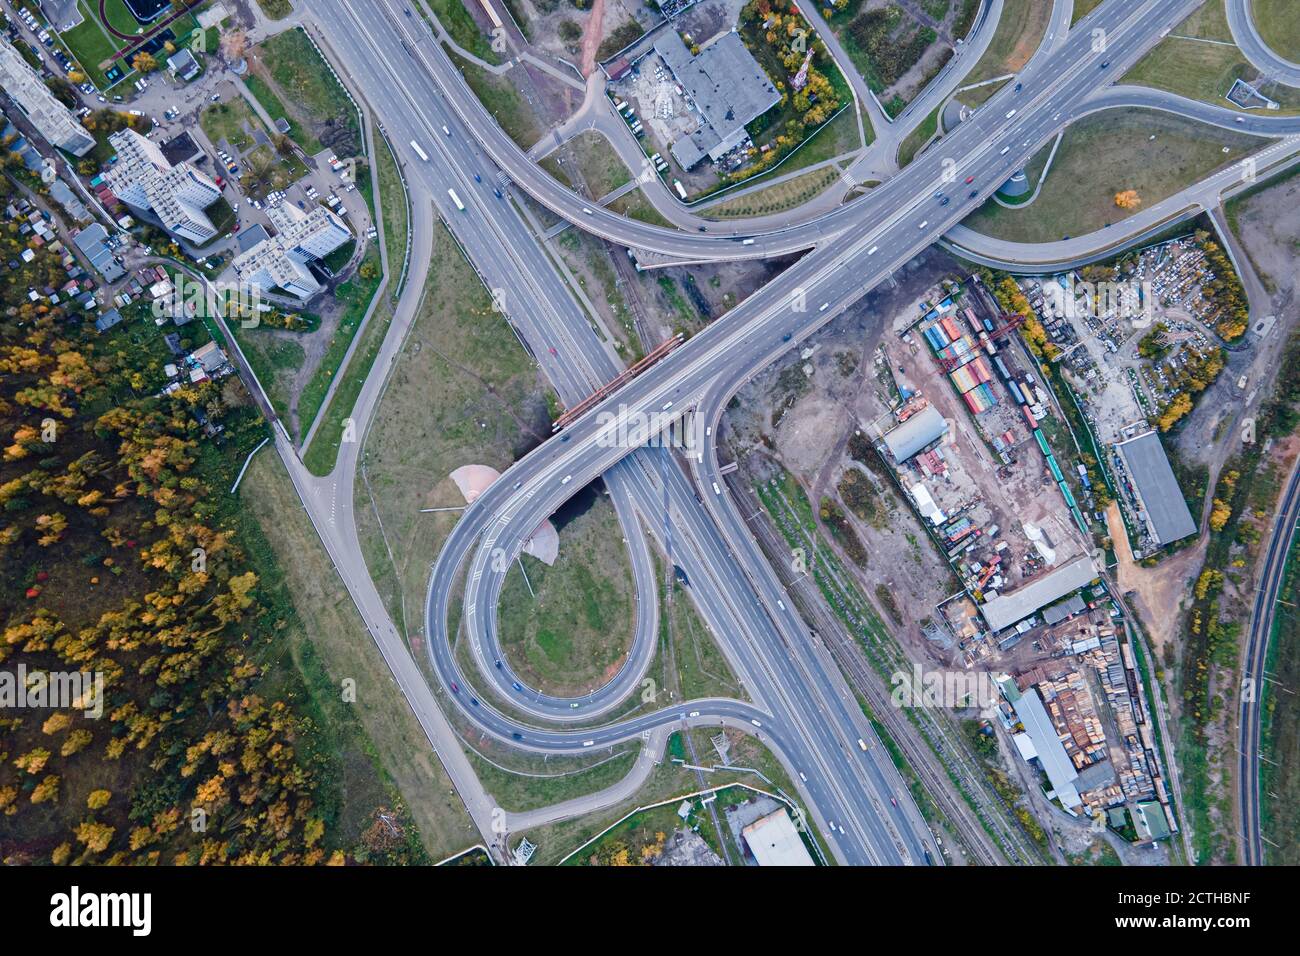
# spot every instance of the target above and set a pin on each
(355, 294)
(1280, 779)
(1104, 154)
(462, 391)
(329, 642)
(90, 44)
(1021, 29)
(636, 206)
(1082, 8)
(276, 9)
(462, 28)
(275, 358)
(230, 120)
(306, 91)
(598, 164)
(1203, 71)
(571, 632)
(916, 139)
(777, 198)
(393, 203)
(1278, 22)
(499, 96)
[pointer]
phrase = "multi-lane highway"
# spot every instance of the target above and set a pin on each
(799, 705)
(506, 514)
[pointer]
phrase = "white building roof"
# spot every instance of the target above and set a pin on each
(1006, 609)
(1048, 747)
(922, 429)
(775, 842)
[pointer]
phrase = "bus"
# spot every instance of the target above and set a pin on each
(677, 184)
(456, 199)
(419, 152)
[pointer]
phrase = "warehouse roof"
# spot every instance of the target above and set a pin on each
(727, 86)
(922, 429)
(775, 842)
(1047, 746)
(1006, 609)
(1167, 516)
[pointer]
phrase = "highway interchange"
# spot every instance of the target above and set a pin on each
(798, 705)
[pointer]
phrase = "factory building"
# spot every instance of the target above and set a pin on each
(727, 88)
(1160, 503)
(918, 433)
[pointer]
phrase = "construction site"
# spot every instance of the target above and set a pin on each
(966, 450)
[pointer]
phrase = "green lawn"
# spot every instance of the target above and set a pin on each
(91, 45)
(306, 81)
(499, 96)
(1104, 154)
(393, 202)
(1082, 8)
(1203, 71)
(908, 149)
(276, 9)
(772, 199)
(462, 28)
(635, 205)
(275, 358)
(230, 120)
(1278, 22)
(356, 294)
(571, 632)
(461, 391)
(598, 163)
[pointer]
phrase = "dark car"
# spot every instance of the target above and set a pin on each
(499, 664)
(517, 736)
(517, 686)
(944, 201)
(474, 701)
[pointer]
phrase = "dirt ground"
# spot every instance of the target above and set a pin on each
(1161, 589)
(1267, 224)
(819, 395)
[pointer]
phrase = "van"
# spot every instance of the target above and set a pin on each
(716, 489)
(862, 745)
(924, 224)
(566, 479)
(588, 743)
(1011, 114)
(1005, 150)
(872, 250)
(747, 242)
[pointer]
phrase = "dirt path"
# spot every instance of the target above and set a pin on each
(591, 36)
(1159, 590)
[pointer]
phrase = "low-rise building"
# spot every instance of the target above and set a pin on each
(774, 841)
(727, 87)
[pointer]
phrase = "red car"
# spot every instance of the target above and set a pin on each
(552, 350)
(969, 180)
(455, 688)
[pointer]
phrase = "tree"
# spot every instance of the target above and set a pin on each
(1128, 199)
(98, 799)
(1220, 514)
(144, 62)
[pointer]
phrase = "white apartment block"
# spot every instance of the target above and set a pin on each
(177, 195)
(52, 119)
(282, 261)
